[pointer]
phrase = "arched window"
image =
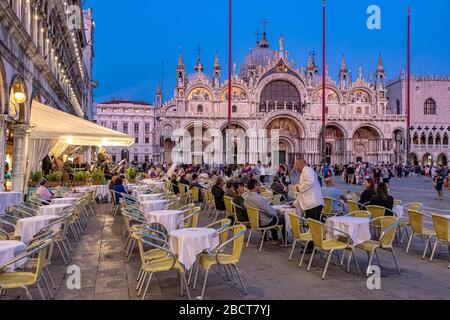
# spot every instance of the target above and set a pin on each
(445, 141)
(234, 109)
(279, 91)
(359, 110)
(416, 139)
(398, 108)
(430, 140)
(199, 108)
(430, 106)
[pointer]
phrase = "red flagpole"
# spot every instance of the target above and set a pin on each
(323, 78)
(230, 60)
(409, 86)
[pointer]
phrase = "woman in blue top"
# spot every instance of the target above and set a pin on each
(118, 188)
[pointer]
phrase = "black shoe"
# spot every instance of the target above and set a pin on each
(308, 251)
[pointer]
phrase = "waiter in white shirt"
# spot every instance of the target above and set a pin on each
(310, 198)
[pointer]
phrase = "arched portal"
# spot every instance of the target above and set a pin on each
(335, 145)
(427, 160)
(366, 145)
(168, 147)
(442, 160)
(239, 144)
(289, 132)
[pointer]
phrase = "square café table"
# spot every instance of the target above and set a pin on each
(357, 228)
(27, 228)
(9, 249)
(152, 205)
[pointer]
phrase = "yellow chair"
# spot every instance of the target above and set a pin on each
(237, 221)
(329, 246)
(184, 192)
(416, 206)
(228, 205)
(416, 220)
(361, 214)
(327, 210)
(442, 227)
(352, 206)
(389, 227)
(304, 238)
(195, 191)
(23, 280)
(376, 212)
(191, 220)
(223, 224)
(276, 200)
(253, 215)
(221, 259)
(168, 263)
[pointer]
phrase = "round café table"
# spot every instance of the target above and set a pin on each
(148, 197)
(8, 251)
(27, 228)
(188, 243)
(9, 199)
(168, 218)
(52, 209)
(152, 205)
(357, 228)
(69, 201)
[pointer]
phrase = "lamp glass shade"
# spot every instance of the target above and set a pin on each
(20, 97)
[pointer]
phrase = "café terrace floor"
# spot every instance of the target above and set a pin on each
(268, 275)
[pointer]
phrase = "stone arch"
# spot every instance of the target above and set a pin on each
(293, 116)
(300, 85)
(442, 160)
(368, 125)
(360, 88)
(427, 159)
(192, 96)
(316, 96)
(3, 89)
(241, 89)
(414, 158)
(288, 126)
(340, 127)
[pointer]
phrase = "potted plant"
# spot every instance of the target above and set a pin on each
(54, 178)
(80, 178)
(35, 178)
(98, 176)
(131, 174)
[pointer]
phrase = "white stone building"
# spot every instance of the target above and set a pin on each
(135, 119)
(270, 92)
(430, 116)
(40, 59)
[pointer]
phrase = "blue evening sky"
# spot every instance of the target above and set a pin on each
(134, 38)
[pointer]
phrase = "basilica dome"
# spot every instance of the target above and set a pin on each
(198, 77)
(259, 56)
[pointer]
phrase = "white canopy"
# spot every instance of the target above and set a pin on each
(52, 124)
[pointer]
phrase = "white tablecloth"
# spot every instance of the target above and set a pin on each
(148, 197)
(101, 190)
(64, 200)
(188, 243)
(137, 192)
(399, 211)
(285, 210)
(168, 218)
(8, 251)
(27, 228)
(52, 210)
(152, 205)
(357, 228)
(9, 199)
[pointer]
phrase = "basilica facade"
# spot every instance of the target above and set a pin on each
(271, 92)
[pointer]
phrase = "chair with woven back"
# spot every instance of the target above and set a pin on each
(195, 193)
(376, 212)
(228, 205)
(253, 216)
(236, 216)
(276, 200)
(305, 238)
(328, 245)
(352, 206)
(442, 227)
(168, 263)
(219, 258)
(191, 219)
(388, 227)
(327, 210)
(25, 279)
(360, 214)
(416, 221)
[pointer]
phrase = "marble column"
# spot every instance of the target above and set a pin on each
(20, 156)
(2, 150)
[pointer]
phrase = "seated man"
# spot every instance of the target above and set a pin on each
(268, 215)
(238, 200)
(196, 184)
(278, 188)
(330, 191)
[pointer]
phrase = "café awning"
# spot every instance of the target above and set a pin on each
(52, 124)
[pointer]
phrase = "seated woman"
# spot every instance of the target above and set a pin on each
(383, 199)
(219, 193)
(368, 193)
(118, 188)
(174, 182)
(278, 188)
(43, 192)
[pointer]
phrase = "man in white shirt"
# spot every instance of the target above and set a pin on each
(310, 198)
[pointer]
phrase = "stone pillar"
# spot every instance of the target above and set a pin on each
(20, 156)
(2, 150)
